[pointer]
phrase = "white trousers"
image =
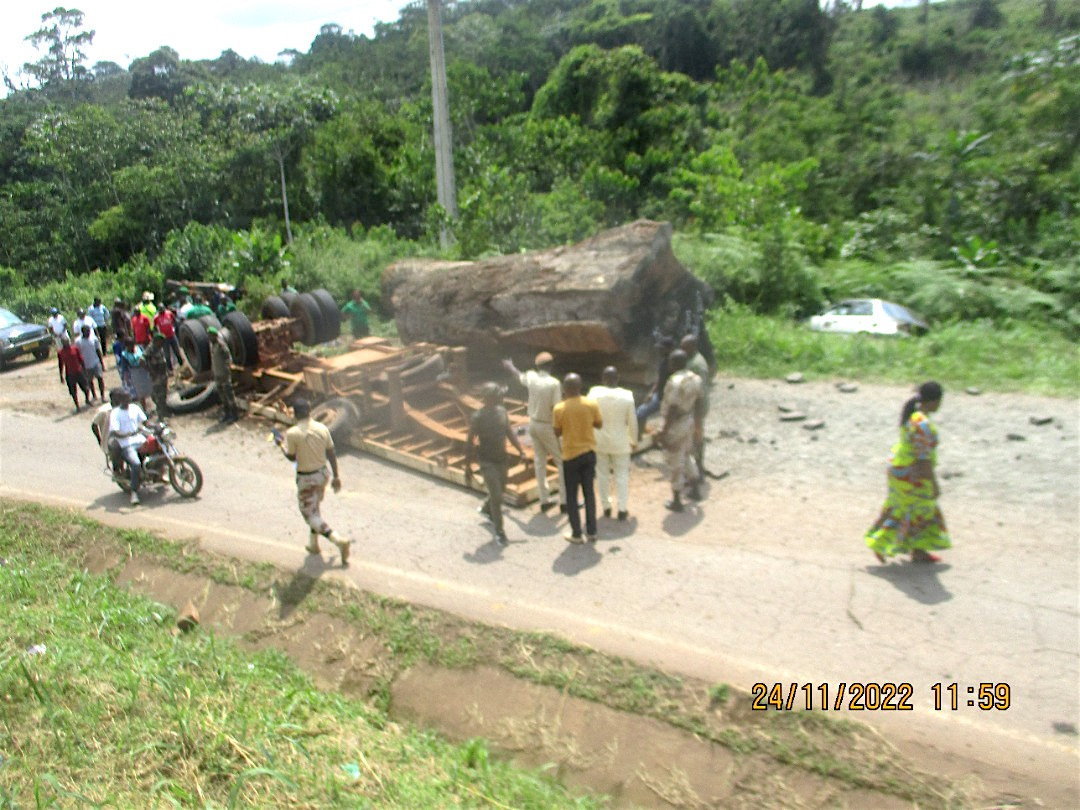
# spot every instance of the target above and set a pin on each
(545, 443)
(619, 464)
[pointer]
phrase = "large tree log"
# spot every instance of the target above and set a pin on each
(603, 301)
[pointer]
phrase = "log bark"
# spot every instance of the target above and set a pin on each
(600, 302)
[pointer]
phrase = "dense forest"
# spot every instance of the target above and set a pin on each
(803, 150)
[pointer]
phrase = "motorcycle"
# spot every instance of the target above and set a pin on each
(161, 462)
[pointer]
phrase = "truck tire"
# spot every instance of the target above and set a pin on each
(331, 314)
(341, 417)
(192, 397)
(288, 297)
(274, 307)
(306, 310)
(242, 340)
(195, 344)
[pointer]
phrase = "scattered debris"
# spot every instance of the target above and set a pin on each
(847, 387)
(973, 390)
(795, 377)
(1040, 420)
(947, 474)
(37, 649)
(814, 424)
(792, 416)
(786, 407)
(188, 618)
(1015, 437)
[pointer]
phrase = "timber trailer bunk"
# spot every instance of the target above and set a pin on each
(407, 404)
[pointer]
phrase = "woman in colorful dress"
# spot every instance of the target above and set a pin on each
(911, 521)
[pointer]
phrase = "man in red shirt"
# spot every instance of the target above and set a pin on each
(140, 328)
(165, 322)
(71, 366)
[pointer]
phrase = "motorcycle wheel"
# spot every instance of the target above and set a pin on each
(185, 477)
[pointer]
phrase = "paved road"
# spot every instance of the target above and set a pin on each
(756, 586)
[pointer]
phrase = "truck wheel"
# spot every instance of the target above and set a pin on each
(306, 310)
(341, 417)
(331, 314)
(274, 307)
(191, 398)
(242, 340)
(195, 344)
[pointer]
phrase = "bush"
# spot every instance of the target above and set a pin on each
(74, 292)
(767, 276)
(328, 257)
(1034, 358)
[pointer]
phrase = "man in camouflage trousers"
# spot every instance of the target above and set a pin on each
(309, 444)
(221, 367)
(157, 365)
(681, 411)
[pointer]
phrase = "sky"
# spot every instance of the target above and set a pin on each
(196, 29)
(200, 29)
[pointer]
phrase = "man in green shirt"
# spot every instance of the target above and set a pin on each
(225, 307)
(198, 309)
(358, 311)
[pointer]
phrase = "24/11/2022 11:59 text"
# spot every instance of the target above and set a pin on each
(871, 696)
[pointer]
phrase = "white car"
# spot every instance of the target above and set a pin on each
(869, 316)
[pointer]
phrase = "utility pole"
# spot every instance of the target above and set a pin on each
(444, 158)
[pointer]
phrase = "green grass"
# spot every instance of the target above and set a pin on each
(117, 711)
(1018, 357)
(116, 652)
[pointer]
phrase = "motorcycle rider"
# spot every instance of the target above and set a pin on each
(125, 430)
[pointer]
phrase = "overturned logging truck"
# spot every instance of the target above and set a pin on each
(601, 302)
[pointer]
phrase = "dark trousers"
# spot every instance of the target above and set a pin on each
(580, 471)
(74, 380)
(172, 349)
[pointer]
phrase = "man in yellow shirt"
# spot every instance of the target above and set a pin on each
(310, 445)
(575, 420)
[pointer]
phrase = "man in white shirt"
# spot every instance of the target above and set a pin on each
(125, 423)
(93, 359)
(81, 320)
(57, 324)
(545, 392)
(614, 440)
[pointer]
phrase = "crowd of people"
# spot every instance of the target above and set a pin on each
(588, 437)
(144, 344)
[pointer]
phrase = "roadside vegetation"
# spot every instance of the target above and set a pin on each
(103, 706)
(805, 152)
(116, 706)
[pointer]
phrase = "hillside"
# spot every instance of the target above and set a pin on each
(929, 152)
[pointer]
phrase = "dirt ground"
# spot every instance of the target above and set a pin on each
(768, 580)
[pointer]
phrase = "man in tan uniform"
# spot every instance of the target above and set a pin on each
(310, 445)
(544, 394)
(681, 413)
